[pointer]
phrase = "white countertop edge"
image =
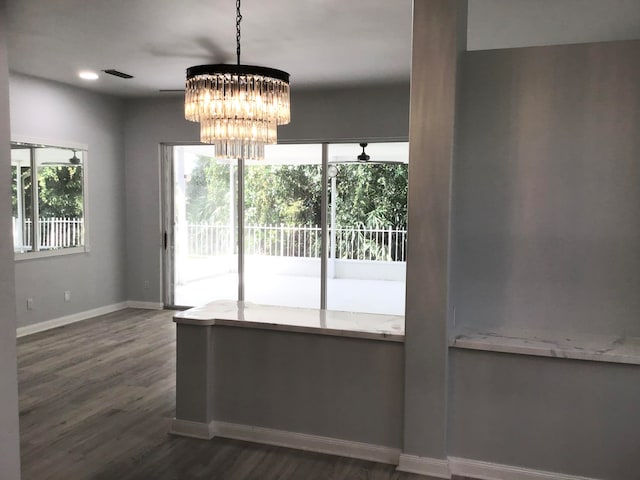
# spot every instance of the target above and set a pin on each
(598, 348)
(333, 332)
(303, 320)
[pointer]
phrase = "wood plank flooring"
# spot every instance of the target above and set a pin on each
(96, 399)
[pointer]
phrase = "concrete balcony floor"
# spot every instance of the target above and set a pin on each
(344, 294)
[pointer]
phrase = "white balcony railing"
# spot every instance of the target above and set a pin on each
(352, 243)
(209, 240)
(54, 233)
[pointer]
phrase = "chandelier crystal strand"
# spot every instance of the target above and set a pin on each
(237, 96)
(238, 106)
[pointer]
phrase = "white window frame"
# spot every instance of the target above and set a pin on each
(22, 256)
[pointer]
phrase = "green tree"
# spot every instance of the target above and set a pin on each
(373, 196)
(60, 191)
(208, 191)
(274, 194)
(283, 194)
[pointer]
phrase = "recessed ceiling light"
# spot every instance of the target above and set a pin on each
(86, 75)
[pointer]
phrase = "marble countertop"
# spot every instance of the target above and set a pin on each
(599, 348)
(306, 320)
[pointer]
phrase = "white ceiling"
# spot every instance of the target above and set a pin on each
(319, 42)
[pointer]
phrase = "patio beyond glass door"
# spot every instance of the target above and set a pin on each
(205, 252)
(282, 226)
(367, 225)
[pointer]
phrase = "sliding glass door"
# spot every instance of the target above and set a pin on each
(282, 226)
(204, 227)
(330, 238)
(367, 219)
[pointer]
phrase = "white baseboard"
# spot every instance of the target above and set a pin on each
(433, 467)
(313, 443)
(282, 438)
(145, 305)
(68, 319)
(188, 428)
(495, 471)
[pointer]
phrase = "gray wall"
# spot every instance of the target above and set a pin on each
(361, 112)
(524, 23)
(546, 202)
(55, 112)
(546, 197)
(148, 122)
(337, 114)
(330, 386)
(9, 441)
(315, 384)
(557, 415)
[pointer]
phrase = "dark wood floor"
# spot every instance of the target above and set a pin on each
(96, 399)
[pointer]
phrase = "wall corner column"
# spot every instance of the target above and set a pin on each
(9, 427)
(439, 38)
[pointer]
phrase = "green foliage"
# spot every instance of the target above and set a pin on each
(373, 195)
(208, 193)
(282, 194)
(60, 191)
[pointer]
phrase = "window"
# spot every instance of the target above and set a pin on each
(48, 205)
(278, 257)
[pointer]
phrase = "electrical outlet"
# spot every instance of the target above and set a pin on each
(146, 284)
(29, 303)
(67, 295)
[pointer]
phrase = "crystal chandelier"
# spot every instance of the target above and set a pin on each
(238, 106)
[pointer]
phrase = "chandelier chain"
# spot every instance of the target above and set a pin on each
(238, 20)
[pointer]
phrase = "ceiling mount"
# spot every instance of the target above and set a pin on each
(363, 157)
(75, 160)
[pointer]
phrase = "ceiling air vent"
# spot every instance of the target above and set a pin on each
(117, 73)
